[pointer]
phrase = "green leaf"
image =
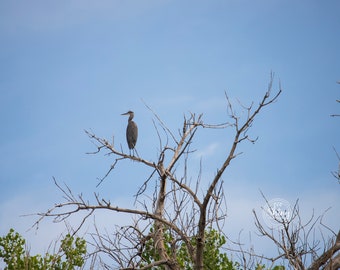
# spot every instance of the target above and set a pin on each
(13, 253)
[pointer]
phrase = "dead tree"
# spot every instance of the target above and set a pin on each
(296, 242)
(176, 213)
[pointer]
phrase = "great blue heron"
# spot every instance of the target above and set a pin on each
(131, 131)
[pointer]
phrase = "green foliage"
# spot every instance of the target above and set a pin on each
(279, 267)
(74, 251)
(213, 257)
(263, 267)
(12, 250)
(13, 253)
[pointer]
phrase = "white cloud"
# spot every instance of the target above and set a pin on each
(207, 151)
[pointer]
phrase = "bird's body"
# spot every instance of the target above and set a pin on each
(131, 134)
(131, 131)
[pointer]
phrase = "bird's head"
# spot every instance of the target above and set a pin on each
(131, 113)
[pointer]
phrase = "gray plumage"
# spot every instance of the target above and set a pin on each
(131, 131)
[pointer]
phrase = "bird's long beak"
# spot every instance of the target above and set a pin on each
(125, 113)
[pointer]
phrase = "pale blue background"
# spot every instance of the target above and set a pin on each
(66, 66)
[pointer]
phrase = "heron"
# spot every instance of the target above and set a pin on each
(131, 131)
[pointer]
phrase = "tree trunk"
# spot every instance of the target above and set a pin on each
(159, 228)
(200, 241)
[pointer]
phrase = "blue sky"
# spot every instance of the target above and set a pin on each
(67, 66)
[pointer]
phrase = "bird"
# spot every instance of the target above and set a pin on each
(131, 131)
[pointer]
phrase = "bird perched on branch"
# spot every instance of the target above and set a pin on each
(131, 131)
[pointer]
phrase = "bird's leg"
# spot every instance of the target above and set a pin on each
(135, 150)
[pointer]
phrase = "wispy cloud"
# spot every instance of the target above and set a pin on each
(207, 151)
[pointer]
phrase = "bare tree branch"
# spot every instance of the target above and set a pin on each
(175, 207)
(327, 255)
(240, 135)
(292, 238)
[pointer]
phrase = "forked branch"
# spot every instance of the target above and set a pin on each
(186, 205)
(240, 135)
